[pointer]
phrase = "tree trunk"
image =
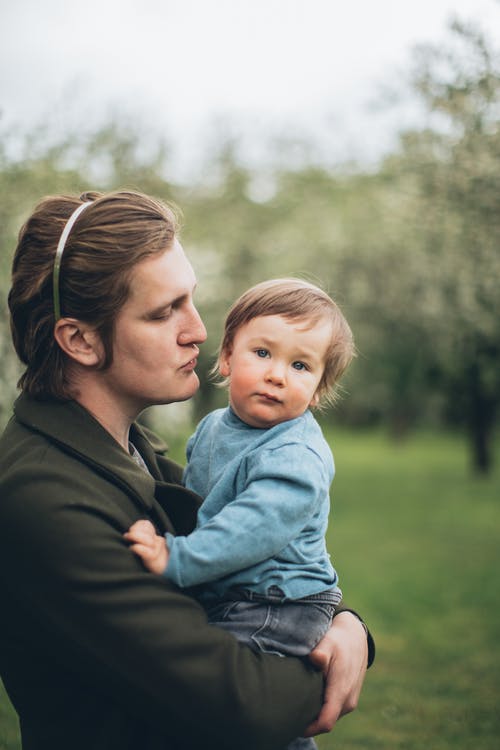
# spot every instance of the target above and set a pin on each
(481, 418)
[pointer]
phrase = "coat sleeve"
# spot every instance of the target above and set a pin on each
(136, 636)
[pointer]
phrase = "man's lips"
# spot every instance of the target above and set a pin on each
(191, 363)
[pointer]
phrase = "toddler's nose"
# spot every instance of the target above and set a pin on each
(276, 375)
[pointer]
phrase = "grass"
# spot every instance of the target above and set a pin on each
(416, 539)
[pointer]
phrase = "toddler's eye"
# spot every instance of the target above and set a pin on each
(262, 353)
(299, 366)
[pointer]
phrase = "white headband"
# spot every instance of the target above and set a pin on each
(59, 252)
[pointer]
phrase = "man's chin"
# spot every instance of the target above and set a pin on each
(190, 391)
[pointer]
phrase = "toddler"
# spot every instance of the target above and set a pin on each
(257, 560)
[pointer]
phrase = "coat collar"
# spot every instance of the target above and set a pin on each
(76, 432)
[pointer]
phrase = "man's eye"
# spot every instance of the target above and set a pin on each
(164, 315)
(299, 366)
(262, 353)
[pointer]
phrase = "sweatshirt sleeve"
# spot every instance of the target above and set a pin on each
(283, 488)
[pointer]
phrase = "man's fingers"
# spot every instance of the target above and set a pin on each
(342, 656)
(331, 711)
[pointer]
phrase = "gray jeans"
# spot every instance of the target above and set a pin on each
(276, 626)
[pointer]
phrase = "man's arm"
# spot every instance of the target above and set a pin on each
(141, 640)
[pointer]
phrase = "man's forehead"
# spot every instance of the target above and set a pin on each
(169, 273)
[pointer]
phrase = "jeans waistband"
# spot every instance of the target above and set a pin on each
(329, 596)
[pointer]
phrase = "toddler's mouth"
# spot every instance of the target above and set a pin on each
(269, 397)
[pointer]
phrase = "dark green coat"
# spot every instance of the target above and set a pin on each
(95, 652)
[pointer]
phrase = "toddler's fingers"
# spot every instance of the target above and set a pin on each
(137, 535)
(143, 526)
(154, 559)
(144, 552)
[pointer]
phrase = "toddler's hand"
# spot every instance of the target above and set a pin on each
(148, 545)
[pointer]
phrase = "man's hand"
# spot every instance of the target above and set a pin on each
(342, 656)
(146, 544)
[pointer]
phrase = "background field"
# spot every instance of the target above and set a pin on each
(416, 539)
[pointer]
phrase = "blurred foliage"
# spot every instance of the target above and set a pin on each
(411, 250)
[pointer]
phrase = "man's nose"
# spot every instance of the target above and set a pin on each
(194, 331)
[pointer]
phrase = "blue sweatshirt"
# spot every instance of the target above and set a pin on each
(265, 511)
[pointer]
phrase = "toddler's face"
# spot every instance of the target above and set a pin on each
(274, 368)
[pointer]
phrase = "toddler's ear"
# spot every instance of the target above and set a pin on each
(315, 400)
(225, 363)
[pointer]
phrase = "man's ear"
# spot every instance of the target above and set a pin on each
(79, 341)
(225, 362)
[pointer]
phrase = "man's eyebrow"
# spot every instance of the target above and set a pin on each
(175, 302)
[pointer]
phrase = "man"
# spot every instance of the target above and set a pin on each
(95, 651)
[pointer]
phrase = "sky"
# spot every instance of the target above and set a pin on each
(187, 71)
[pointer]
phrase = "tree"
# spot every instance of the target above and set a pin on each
(453, 274)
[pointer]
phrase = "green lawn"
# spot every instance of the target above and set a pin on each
(417, 542)
(416, 539)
